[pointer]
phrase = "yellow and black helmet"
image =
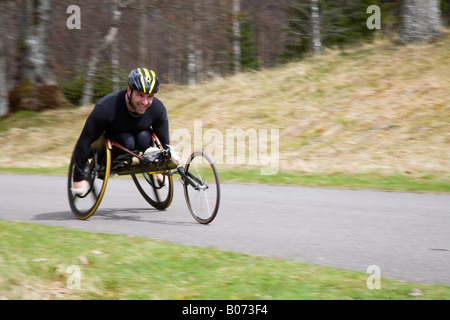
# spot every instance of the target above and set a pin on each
(143, 79)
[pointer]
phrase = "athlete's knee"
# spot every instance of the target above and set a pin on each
(143, 140)
(125, 139)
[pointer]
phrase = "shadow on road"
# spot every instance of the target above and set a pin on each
(125, 214)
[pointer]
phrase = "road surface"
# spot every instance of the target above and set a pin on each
(407, 235)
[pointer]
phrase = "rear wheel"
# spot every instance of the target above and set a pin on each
(96, 172)
(157, 195)
(203, 201)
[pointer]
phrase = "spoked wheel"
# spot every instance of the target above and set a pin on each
(158, 196)
(96, 173)
(203, 201)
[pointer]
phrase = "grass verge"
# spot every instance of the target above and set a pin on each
(44, 262)
(376, 181)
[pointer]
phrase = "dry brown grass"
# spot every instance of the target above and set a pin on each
(379, 107)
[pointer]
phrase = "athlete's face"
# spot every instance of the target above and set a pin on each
(140, 101)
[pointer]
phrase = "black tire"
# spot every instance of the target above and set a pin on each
(96, 171)
(203, 203)
(159, 197)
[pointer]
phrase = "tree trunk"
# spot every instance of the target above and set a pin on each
(198, 11)
(192, 65)
(115, 65)
(317, 46)
(36, 18)
(194, 53)
(420, 20)
(88, 89)
(3, 81)
(36, 89)
(236, 36)
(3, 86)
(143, 35)
(110, 37)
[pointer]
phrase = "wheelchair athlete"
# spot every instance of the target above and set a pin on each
(127, 117)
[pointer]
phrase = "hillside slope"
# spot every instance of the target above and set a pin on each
(380, 107)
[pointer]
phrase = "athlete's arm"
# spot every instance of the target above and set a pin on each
(93, 128)
(161, 126)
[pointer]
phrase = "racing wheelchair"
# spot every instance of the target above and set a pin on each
(198, 176)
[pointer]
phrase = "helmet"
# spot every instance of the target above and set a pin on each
(143, 79)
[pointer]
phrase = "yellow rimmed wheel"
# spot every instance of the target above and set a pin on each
(96, 172)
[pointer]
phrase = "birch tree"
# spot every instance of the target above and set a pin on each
(191, 45)
(34, 23)
(142, 20)
(107, 40)
(3, 85)
(36, 88)
(315, 22)
(236, 36)
(420, 20)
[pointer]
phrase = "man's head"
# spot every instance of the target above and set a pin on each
(145, 84)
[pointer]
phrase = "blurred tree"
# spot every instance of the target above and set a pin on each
(236, 36)
(3, 83)
(183, 41)
(37, 89)
(3, 86)
(298, 30)
(194, 46)
(315, 23)
(110, 39)
(343, 22)
(34, 22)
(249, 59)
(445, 11)
(420, 20)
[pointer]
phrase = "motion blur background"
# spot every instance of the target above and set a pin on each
(346, 95)
(186, 42)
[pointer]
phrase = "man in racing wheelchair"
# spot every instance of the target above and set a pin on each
(127, 117)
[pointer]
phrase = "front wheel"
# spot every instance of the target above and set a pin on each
(203, 199)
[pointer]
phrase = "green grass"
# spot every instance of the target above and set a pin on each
(376, 181)
(35, 263)
(40, 171)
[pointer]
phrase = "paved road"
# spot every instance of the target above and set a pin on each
(406, 235)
